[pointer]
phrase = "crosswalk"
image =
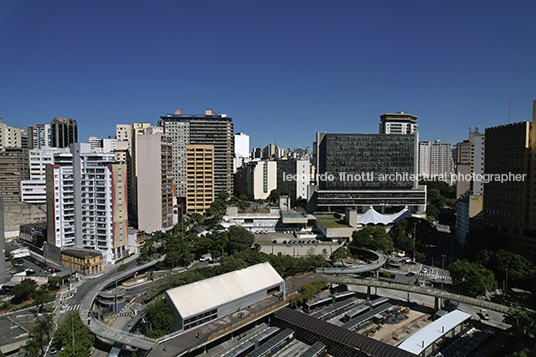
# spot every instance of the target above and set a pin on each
(125, 314)
(434, 276)
(70, 308)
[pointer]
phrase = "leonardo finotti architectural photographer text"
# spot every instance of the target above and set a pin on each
(404, 176)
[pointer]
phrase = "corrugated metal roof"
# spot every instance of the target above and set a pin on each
(339, 335)
(192, 299)
(423, 338)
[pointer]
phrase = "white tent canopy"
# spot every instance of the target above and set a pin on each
(373, 217)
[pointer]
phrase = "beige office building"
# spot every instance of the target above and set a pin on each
(199, 177)
(154, 182)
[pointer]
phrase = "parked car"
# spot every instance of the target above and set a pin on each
(484, 314)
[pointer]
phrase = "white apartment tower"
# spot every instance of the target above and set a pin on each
(241, 150)
(39, 136)
(435, 160)
(34, 189)
(87, 202)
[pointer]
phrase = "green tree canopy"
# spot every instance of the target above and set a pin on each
(40, 336)
(340, 254)
(159, 318)
(472, 278)
(239, 239)
(24, 290)
(375, 238)
(83, 338)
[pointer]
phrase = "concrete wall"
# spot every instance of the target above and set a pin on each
(16, 214)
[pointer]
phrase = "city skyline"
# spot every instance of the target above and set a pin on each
(285, 69)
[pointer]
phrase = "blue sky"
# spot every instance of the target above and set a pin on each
(285, 68)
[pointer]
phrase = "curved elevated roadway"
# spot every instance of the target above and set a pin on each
(110, 333)
(360, 269)
(438, 294)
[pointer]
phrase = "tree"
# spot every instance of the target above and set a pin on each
(276, 193)
(71, 328)
(339, 254)
(24, 290)
(160, 319)
(472, 278)
(9, 257)
(239, 239)
(523, 323)
(40, 336)
(39, 297)
(197, 218)
(375, 238)
(121, 268)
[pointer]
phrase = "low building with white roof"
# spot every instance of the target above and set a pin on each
(424, 341)
(206, 300)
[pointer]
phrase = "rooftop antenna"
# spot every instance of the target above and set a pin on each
(509, 107)
(275, 140)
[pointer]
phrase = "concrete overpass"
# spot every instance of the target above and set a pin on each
(110, 333)
(360, 269)
(438, 294)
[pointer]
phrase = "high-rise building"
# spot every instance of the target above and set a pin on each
(435, 160)
(294, 175)
(398, 123)
(241, 150)
(10, 137)
(257, 179)
(209, 129)
(510, 203)
(478, 163)
(155, 181)
(39, 136)
(138, 129)
(14, 168)
(86, 202)
(33, 190)
(199, 177)
(465, 161)
(64, 132)
(363, 170)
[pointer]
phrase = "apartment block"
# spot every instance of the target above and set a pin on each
(155, 182)
(39, 136)
(209, 129)
(63, 132)
(10, 137)
(257, 179)
(14, 169)
(87, 202)
(33, 190)
(199, 177)
(435, 160)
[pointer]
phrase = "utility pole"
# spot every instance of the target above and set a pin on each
(414, 239)
(442, 268)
